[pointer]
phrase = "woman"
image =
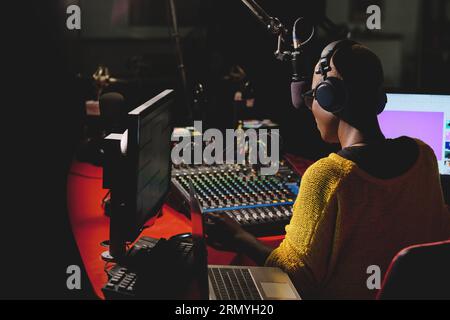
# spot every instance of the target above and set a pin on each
(358, 207)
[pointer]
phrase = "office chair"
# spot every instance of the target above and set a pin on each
(419, 272)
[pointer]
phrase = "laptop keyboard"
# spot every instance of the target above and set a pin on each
(233, 284)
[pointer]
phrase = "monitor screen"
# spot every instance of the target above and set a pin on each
(421, 116)
(148, 151)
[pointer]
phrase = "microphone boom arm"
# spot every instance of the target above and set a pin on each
(272, 24)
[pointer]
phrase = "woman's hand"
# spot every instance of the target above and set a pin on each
(225, 233)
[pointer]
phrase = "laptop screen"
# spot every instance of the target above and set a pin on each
(426, 117)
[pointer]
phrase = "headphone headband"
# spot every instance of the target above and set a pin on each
(329, 51)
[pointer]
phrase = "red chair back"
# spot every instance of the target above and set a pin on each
(419, 272)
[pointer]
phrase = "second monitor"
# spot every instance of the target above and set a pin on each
(422, 116)
(138, 170)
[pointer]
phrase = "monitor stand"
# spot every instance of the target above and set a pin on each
(107, 257)
(117, 243)
(113, 180)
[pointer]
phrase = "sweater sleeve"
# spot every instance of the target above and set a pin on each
(305, 252)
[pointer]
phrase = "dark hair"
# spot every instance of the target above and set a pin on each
(359, 67)
(362, 72)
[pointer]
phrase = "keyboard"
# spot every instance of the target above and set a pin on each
(153, 269)
(233, 284)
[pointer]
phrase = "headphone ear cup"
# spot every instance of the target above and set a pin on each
(331, 95)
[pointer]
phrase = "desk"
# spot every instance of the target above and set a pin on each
(90, 226)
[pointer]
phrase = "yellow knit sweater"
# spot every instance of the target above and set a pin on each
(345, 220)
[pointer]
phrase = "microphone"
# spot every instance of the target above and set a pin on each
(299, 84)
(111, 111)
(297, 90)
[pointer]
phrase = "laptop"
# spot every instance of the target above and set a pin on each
(236, 282)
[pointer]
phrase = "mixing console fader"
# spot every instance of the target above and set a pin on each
(261, 204)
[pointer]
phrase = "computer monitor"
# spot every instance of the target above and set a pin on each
(138, 171)
(422, 116)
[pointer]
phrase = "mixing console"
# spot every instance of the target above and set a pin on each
(261, 204)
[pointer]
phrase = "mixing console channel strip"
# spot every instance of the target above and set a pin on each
(261, 204)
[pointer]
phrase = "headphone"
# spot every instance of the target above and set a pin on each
(333, 94)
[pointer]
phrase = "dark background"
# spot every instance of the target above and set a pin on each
(135, 44)
(47, 77)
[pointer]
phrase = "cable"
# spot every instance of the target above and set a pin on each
(105, 268)
(294, 33)
(104, 200)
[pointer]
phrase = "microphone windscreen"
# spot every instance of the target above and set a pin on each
(298, 88)
(111, 104)
(112, 110)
